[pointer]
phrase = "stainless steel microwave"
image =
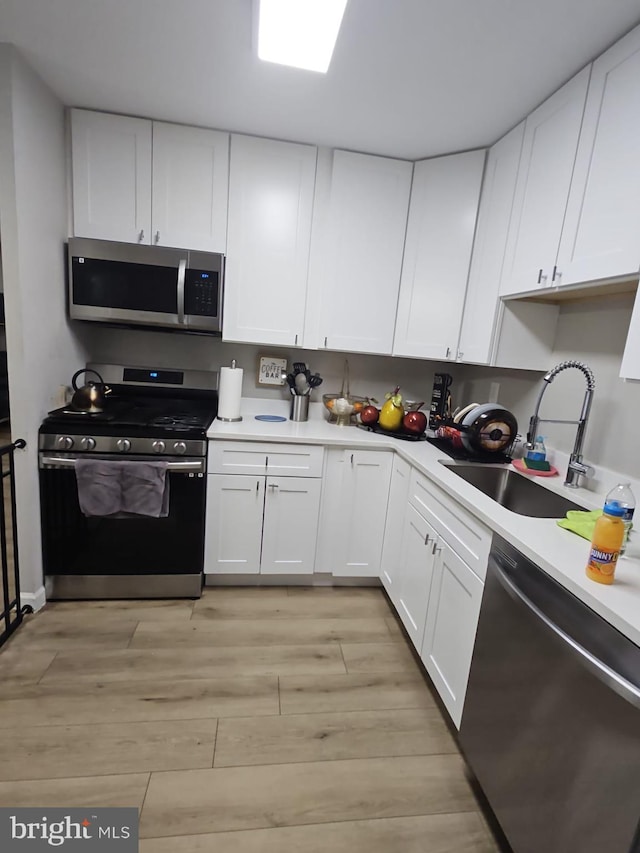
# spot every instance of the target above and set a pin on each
(134, 285)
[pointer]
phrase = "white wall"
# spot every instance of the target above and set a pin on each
(371, 376)
(42, 350)
(594, 331)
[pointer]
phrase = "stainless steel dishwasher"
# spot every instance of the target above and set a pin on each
(551, 723)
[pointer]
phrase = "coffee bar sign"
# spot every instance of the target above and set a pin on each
(271, 370)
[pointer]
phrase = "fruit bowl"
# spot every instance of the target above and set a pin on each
(343, 408)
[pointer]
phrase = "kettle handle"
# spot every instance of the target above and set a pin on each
(80, 372)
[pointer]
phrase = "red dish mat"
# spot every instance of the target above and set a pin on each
(519, 465)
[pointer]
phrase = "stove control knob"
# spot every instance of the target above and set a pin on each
(158, 446)
(88, 443)
(65, 442)
(180, 447)
(123, 445)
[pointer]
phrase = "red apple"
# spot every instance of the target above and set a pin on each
(369, 415)
(415, 422)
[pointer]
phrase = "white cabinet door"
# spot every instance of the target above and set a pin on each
(190, 187)
(546, 165)
(233, 534)
(366, 221)
(442, 220)
(392, 546)
(630, 368)
(111, 162)
(452, 620)
(496, 201)
(271, 187)
(601, 234)
(363, 503)
(291, 510)
(415, 575)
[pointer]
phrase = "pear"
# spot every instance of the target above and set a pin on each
(392, 411)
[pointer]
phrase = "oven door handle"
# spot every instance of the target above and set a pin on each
(67, 462)
(182, 268)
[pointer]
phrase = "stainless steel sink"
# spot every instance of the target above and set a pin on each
(513, 491)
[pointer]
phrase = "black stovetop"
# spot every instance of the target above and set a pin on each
(132, 414)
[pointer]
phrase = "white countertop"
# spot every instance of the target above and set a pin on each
(562, 554)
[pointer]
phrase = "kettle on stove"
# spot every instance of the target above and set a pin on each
(91, 397)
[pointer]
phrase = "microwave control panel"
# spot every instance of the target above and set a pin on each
(201, 293)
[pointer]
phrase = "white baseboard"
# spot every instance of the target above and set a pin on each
(36, 599)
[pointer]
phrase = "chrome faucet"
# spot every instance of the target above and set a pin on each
(577, 467)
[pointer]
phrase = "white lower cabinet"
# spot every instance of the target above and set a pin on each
(354, 512)
(264, 519)
(391, 548)
(416, 574)
(290, 525)
(235, 507)
(435, 591)
(450, 631)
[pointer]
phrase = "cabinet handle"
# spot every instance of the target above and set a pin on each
(325, 342)
(556, 274)
(157, 237)
(266, 461)
(448, 352)
(141, 236)
(296, 341)
(352, 458)
(435, 548)
(542, 279)
(427, 539)
(273, 485)
(257, 486)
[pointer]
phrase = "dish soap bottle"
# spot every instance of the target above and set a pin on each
(623, 496)
(606, 543)
(538, 452)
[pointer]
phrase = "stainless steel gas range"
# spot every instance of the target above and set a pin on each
(152, 415)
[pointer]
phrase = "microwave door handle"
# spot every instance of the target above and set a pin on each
(182, 268)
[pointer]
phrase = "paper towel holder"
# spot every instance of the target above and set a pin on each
(239, 418)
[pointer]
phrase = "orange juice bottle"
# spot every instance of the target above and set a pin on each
(606, 543)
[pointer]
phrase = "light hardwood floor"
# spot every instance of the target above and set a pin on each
(254, 721)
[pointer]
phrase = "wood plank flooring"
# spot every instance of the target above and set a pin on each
(253, 720)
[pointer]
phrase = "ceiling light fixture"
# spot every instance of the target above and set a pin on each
(301, 33)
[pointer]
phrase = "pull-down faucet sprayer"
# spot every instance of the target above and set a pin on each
(576, 468)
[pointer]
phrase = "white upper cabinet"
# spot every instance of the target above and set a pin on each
(601, 235)
(496, 201)
(442, 220)
(271, 189)
(111, 159)
(630, 368)
(190, 187)
(542, 189)
(365, 228)
(138, 181)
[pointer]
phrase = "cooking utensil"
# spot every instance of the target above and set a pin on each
(299, 367)
(302, 386)
(314, 382)
(90, 397)
(291, 382)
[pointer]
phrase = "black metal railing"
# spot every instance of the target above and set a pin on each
(12, 611)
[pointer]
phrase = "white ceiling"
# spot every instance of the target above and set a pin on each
(410, 78)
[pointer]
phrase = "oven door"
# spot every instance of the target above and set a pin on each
(110, 557)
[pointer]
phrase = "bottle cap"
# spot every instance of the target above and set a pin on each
(614, 508)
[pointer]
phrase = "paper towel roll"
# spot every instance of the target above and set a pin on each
(230, 394)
